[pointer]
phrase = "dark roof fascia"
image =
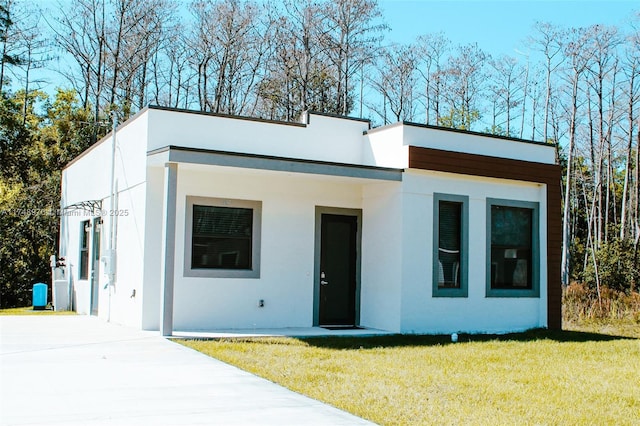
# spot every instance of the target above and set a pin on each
(231, 116)
(342, 117)
(267, 162)
(450, 129)
(106, 137)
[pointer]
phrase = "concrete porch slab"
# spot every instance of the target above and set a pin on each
(278, 332)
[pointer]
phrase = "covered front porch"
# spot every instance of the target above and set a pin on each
(272, 275)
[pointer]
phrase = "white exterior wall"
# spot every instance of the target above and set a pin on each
(386, 148)
(89, 178)
(86, 179)
(478, 144)
(323, 139)
(287, 249)
(397, 244)
(422, 313)
(381, 277)
(127, 293)
(153, 249)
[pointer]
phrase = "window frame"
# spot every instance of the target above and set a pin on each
(256, 206)
(84, 245)
(534, 291)
(463, 290)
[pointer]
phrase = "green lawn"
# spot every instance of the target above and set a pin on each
(29, 311)
(538, 377)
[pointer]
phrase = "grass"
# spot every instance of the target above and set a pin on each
(30, 311)
(537, 377)
(626, 327)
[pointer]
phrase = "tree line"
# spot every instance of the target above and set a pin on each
(576, 88)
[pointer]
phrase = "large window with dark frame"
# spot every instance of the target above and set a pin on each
(512, 248)
(222, 238)
(450, 245)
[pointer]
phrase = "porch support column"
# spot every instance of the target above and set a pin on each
(167, 260)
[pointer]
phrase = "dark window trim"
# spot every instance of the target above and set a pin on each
(256, 206)
(534, 291)
(85, 237)
(463, 290)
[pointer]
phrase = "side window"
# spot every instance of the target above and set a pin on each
(450, 245)
(85, 228)
(512, 248)
(222, 238)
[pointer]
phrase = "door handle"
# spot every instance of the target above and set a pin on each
(322, 277)
(323, 282)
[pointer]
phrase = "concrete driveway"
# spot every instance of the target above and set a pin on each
(78, 370)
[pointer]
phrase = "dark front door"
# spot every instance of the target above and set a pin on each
(338, 275)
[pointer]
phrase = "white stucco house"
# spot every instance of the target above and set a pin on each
(222, 222)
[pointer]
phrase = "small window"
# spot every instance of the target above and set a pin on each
(450, 238)
(512, 248)
(222, 238)
(85, 228)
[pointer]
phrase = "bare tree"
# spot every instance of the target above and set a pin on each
(507, 75)
(600, 44)
(299, 74)
(24, 48)
(395, 81)
(81, 32)
(111, 42)
(431, 51)
(232, 42)
(353, 30)
(578, 61)
(171, 71)
(10, 37)
(631, 67)
(465, 82)
(547, 40)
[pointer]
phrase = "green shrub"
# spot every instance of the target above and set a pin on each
(617, 266)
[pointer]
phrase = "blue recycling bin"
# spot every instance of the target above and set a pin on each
(39, 296)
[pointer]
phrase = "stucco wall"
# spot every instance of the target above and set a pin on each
(89, 178)
(126, 295)
(153, 249)
(382, 253)
(397, 224)
(323, 139)
(478, 144)
(476, 313)
(287, 249)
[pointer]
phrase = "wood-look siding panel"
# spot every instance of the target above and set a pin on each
(504, 168)
(487, 167)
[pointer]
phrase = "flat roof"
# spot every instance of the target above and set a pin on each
(454, 130)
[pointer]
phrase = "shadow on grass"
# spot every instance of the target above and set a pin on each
(398, 340)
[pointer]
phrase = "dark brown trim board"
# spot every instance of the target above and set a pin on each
(503, 168)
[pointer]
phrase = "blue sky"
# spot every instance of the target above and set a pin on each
(499, 27)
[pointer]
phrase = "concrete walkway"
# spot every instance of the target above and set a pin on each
(78, 370)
